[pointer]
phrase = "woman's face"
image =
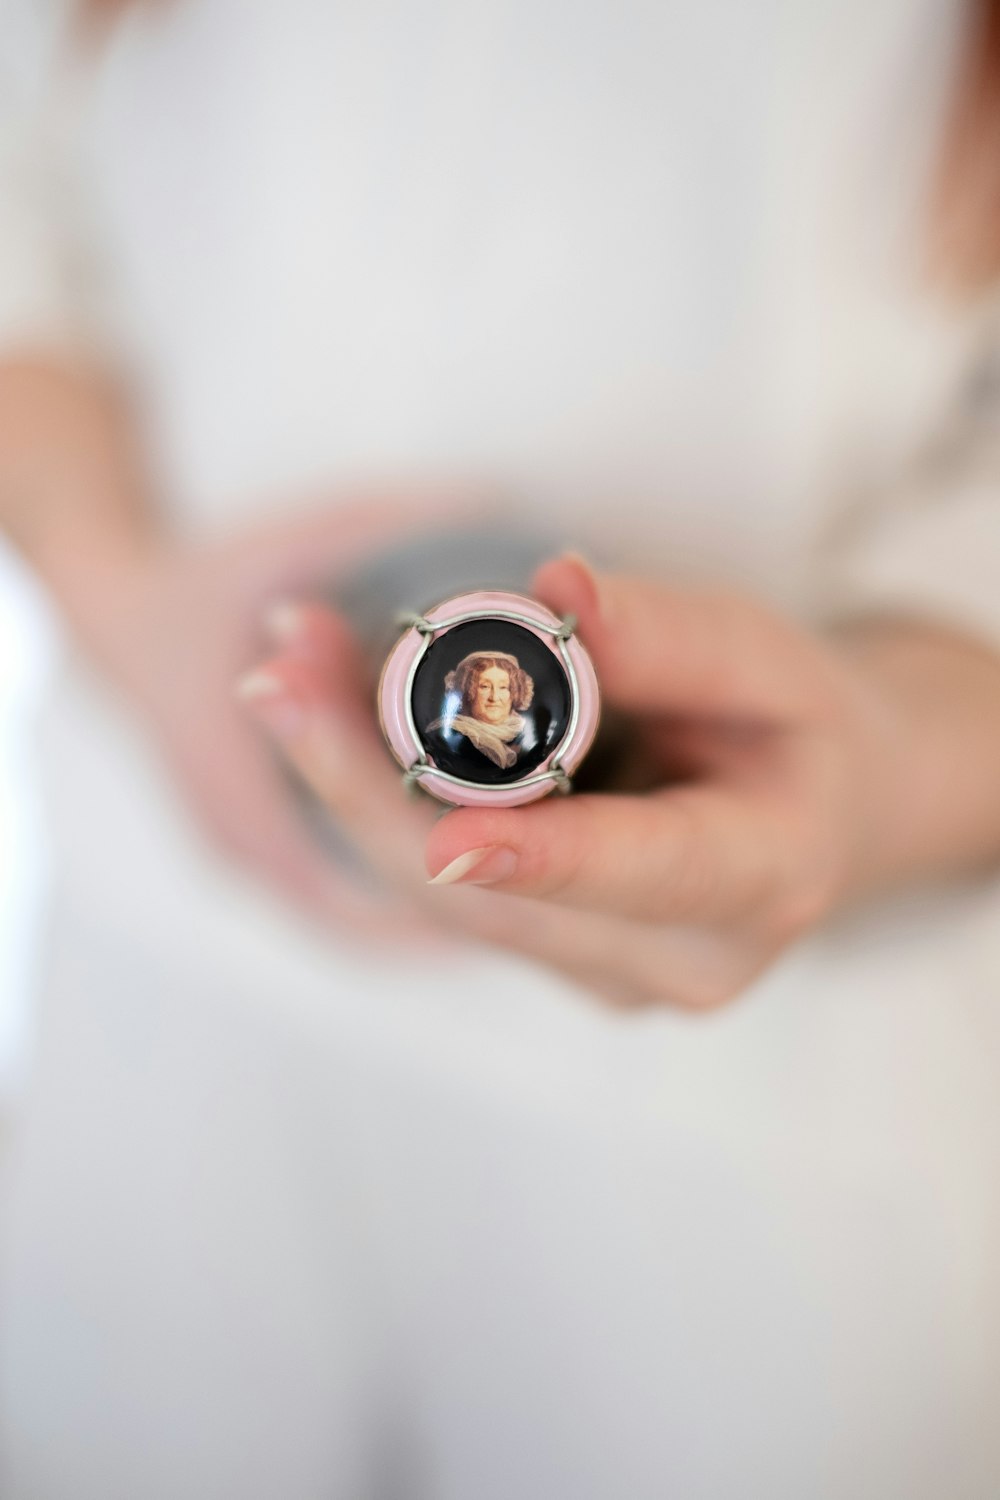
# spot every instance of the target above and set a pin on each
(492, 699)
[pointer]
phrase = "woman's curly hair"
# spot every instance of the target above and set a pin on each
(465, 679)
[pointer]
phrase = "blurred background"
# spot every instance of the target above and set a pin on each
(28, 634)
(298, 1204)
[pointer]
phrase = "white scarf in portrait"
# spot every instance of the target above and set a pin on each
(492, 739)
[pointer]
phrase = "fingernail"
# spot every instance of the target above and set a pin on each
(268, 697)
(478, 867)
(283, 621)
(255, 685)
(591, 583)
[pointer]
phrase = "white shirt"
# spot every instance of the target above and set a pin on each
(666, 254)
(654, 265)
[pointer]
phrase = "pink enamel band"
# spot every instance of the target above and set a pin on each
(396, 687)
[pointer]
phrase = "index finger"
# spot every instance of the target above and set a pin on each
(684, 854)
(669, 650)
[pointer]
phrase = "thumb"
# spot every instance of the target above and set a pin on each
(664, 650)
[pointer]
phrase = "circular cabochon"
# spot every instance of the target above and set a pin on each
(491, 701)
(483, 708)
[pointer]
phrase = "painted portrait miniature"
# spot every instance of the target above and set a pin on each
(486, 696)
(480, 706)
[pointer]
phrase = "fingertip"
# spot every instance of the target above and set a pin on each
(286, 686)
(305, 628)
(447, 838)
(462, 831)
(256, 684)
(567, 582)
(572, 585)
(268, 694)
(526, 845)
(284, 622)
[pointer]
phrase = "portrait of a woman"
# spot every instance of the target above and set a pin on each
(487, 694)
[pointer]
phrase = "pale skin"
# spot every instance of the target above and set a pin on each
(818, 771)
(493, 695)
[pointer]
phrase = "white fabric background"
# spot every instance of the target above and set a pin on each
(292, 1222)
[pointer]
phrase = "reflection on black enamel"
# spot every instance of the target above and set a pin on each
(491, 701)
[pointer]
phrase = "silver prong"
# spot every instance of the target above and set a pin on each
(562, 781)
(412, 775)
(408, 619)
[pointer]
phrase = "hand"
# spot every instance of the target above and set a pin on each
(763, 751)
(173, 625)
(780, 768)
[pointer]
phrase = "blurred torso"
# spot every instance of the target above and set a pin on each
(654, 265)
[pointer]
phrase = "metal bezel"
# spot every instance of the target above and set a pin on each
(428, 629)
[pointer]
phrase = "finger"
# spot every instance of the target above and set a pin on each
(246, 808)
(626, 964)
(313, 700)
(689, 854)
(600, 956)
(666, 650)
(300, 627)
